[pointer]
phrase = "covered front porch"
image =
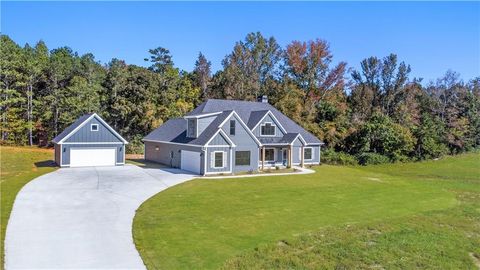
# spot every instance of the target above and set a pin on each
(280, 155)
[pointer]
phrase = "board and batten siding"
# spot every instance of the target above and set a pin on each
(243, 142)
(66, 148)
(268, 118)
(169, 154)
(226, 166)
(219, 140)
(85, 135)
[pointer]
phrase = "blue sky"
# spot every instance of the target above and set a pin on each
(430, 36)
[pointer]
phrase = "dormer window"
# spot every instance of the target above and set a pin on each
(191, 128)
(267, 129)
(94, 127)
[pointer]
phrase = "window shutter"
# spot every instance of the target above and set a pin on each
(224, 159)
(212, 159)
(313, 153)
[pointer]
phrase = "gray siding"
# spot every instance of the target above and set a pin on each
(65, 148)
(219, 140)
(268, 118)
(316, 155)
(209, 166)
(84, 134)
(296, 151)
(243, 142)
(203, 123)
(162, 155)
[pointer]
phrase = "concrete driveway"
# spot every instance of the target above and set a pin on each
(82, 217)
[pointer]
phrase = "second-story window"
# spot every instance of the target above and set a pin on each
(268, 129)
(232, 127)
(191, 128)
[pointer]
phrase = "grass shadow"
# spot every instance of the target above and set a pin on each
(45, 163)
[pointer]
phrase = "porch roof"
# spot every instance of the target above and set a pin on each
(286, 140)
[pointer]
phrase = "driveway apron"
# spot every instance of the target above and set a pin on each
(82, 217)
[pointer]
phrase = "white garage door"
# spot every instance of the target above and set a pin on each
(80, 157)
(190, 161)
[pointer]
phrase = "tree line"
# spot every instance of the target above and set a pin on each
(377, 113)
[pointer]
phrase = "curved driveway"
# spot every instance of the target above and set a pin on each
(82, 217)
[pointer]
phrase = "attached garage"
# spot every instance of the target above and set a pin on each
(190, 161)
(89, 141)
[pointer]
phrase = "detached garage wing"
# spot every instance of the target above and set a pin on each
(89, 141)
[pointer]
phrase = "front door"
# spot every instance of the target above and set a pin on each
(284, 156)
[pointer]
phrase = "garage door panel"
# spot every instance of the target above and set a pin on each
(81, 157)
(190, 161)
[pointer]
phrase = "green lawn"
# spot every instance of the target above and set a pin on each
(413, 215)
(19, 165)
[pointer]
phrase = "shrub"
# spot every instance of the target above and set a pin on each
(329, 156)
(372, 158)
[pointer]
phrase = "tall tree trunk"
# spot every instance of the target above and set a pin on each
(29, 114)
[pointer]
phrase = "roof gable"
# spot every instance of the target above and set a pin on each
(244, 110)
(80, 125)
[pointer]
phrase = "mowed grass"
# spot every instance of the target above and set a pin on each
(396, 216)
(19, 165)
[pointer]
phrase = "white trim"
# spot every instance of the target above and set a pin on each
(93, 143)
(202, 115)
(91, 127)
(301, 139)
(125, 150)
(61, 150)
(232, 144)
(196, 128)
(214, 159)
(184, 144)
(243, 124)
(120, 163)
(231, 160)
(88, 119)
(274, 119)
(72, 148)
(268, 135)
(205, 158)
(212, 146)
(304, 148)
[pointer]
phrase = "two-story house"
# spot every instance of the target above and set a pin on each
(229, 136)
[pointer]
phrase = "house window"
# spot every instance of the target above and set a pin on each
(268, 129)
(232, 127)
(171, 154)
(94, 127)
(191, 128)
(242, 158)
(269, 154)
(308, 153)
(218, 160)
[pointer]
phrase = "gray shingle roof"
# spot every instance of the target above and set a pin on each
(70, 128)
(174, 130)
(244, 110)
(255, 117)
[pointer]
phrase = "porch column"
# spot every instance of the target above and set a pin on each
(290, 156)
(263, 157)
(302, 157)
